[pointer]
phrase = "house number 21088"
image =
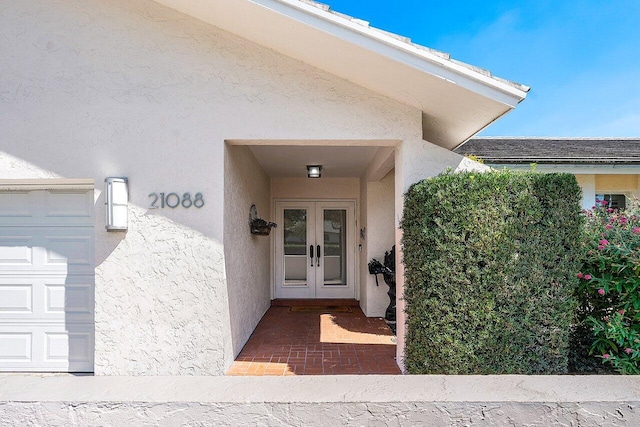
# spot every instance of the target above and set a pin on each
(173, 200)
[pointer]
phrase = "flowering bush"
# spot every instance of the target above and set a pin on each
(609, 290)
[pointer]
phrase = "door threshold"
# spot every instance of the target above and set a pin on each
(307, 302)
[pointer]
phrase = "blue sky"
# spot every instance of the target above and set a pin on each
(580, 57)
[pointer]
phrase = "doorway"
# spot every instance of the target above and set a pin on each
(315, 253)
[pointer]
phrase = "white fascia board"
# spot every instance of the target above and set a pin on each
(397, 50)
(572, 168)
(73, 184)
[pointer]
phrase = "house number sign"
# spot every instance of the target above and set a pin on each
(173, 200)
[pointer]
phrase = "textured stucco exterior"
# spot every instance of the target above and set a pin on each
(379, 238)
(247, 260)
(130, 88)
(310, 401)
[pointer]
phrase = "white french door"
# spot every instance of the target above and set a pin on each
(315, 249)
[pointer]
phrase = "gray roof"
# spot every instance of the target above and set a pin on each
(407, 40)
(553, 150)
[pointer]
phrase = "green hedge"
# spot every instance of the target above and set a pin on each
(490, 270)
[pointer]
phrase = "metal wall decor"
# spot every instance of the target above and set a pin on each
(257, 225)
(388, 271)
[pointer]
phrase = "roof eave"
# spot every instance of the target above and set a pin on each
(370, 58)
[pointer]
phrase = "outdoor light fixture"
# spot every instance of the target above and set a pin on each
(117, 197)
(314, 171)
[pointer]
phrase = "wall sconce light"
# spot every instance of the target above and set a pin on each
(314, 171)
(117, 198)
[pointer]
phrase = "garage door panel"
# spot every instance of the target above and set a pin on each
(58, 298)
(15, 347)
(16, 250)
(47, 348)
(16, 298)
(68, 208)
(71, 251)
(16, 205)
(76, 347)
(67, 205)
(50, 249)
(46, 281)
(74, 301)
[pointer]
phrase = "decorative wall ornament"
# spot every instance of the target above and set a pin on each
(257, 225)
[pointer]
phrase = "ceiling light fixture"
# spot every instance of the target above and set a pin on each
(314, 171)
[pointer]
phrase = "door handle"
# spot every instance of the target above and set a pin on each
(311, 254)
(318, 255)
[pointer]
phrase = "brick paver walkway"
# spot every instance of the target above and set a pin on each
(317, 343)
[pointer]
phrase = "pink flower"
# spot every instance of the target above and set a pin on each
(606, 356)
(628, 350)
(604, 242)
(608, 226)
(601, 291)
(623, 220)
(635, 230)
(587, 277)
(580, 275)
(609, 210)
(621, 312)
(600, 247)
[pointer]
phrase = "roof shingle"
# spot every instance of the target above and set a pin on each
(553, 150)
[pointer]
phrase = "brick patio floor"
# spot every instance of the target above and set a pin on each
(317, 343)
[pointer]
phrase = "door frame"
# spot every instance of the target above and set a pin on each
(352, 253)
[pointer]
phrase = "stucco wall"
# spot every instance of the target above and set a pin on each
(363, 244)
(323, 188)
(610, 183)
(380, 238)
(592, 184)
(247, 261)
(430, 400)
(94, 89)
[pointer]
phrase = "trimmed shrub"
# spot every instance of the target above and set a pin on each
(490, 272)
(607, 333)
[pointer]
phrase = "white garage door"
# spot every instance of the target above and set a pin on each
(46, 280)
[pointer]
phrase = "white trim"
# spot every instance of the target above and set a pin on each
(572, 168)
(317, 142)
(46, 184)
(397, 50)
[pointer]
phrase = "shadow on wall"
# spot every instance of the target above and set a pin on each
(160, 304)
(169, 282)
(46, 280)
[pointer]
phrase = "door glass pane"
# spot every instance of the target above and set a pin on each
(295, 246)
(335, 239)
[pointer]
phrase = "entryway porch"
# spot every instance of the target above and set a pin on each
(317, 337)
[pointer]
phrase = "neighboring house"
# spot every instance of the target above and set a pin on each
(207, 107)
(607, 169)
